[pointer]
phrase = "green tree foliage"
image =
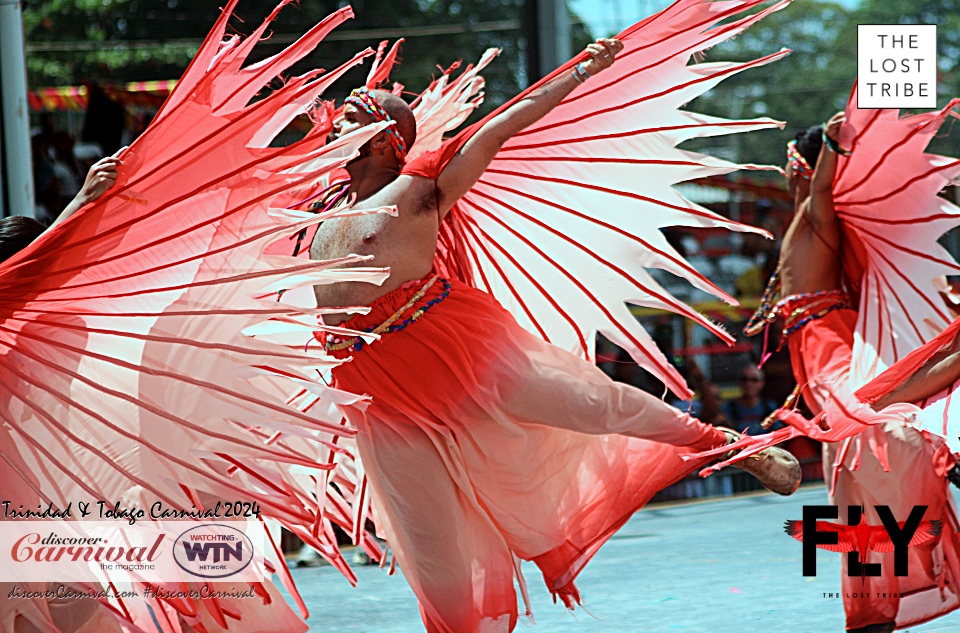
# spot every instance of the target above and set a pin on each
(70, 41)
(815, 80)
(135, 40)
(803, 89)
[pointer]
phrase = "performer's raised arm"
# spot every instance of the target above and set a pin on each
(820, 211)
(939, 373)
(470, 162)
(101, 176)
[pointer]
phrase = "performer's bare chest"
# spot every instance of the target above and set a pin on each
(404, 243)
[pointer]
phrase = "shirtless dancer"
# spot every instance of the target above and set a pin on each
(810, 270)
(482, 443)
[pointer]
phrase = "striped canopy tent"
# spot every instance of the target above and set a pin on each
(138, 95)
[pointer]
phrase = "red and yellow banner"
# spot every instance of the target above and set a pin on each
(138, 94)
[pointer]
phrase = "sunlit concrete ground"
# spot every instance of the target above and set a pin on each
(716, 566)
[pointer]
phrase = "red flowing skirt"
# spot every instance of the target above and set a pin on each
(483, 445)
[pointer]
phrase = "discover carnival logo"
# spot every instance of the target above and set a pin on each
(213, 551)
(54, 548)
(158, 552)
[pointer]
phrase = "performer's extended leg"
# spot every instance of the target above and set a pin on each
(547, 385)
(457, 564)
(543, 384)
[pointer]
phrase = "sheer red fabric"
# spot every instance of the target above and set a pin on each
(483, 443)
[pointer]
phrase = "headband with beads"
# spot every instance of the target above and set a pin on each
(363, 99)
(798, 162)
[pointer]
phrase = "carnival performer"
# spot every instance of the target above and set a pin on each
(124, 373)
(889, 462)
(483, 443)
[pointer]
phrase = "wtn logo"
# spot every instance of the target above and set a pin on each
(857, 538)
(202, 550)
(213, 550)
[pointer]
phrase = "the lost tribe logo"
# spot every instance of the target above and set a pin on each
(213, 551)
(857, 537)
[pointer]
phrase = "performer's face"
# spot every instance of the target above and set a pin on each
(350, 120)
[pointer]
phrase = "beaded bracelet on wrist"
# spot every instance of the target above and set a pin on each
(798, 310)
(834, 146)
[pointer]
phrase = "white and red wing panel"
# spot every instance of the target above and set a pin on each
(563, 225)
(123, 365)
(885, 194)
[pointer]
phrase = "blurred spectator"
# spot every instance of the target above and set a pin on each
(86, 154)
(706, 403)
(47, 189)
(624, 369)
(747, 413)
(57, 178)
(57, 143)
(105, 120)
(762, 251)
(777, 370)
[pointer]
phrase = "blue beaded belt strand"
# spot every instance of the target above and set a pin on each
(356, 343)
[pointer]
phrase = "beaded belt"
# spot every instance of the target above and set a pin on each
(798, 310)
(355, 343)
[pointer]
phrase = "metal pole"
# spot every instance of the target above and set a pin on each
(547, 31)
(16, 114)
(554, 30)
(3, 209)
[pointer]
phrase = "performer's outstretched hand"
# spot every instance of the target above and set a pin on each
(602, 54)
(466, 167)
(101, 176)
(832, 127)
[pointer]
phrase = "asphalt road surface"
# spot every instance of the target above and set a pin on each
(714, 566)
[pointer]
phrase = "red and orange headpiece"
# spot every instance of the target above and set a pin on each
(363, 99)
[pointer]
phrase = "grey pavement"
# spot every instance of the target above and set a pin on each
(713, 566)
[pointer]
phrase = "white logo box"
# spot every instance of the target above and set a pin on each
(155, 552)
(897, 66)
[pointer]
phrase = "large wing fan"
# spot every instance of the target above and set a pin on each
(885, 194)
(563, 224)
(886, 198)
(123, 370)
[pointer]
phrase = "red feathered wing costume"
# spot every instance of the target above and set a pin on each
(486, 441)
(885, 196)
(124, 375)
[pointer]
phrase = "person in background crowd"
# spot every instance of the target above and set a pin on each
(747, 413)
(18, 231)
(707, 404)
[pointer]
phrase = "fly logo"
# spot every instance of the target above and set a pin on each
(857, 538)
